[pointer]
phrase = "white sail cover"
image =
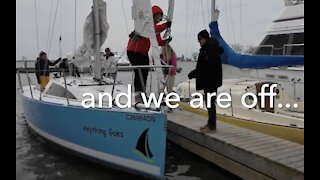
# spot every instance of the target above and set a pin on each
(86, 49)
(142, 16)
(144, 26)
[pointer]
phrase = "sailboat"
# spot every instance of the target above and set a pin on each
(285, 68)
(132, 138)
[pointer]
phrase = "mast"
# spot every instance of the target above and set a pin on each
(213, 7)
(96, 27)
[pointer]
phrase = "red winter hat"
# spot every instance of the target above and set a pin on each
(156, 9)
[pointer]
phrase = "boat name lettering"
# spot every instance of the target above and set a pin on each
(103, 132)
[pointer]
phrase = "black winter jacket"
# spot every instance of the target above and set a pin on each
(42, 67)
(208, 72)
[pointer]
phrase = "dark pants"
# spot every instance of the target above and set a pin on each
(137, 59)
(212, 121)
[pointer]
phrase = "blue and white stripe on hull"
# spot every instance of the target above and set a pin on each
(102, 134)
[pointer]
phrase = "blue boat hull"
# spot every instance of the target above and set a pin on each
(133, 140)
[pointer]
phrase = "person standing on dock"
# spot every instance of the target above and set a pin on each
(42, 69)
(208, 74)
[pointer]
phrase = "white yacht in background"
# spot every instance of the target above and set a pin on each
(284, 39)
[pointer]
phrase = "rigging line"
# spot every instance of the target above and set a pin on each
(185, 50)
(190, 29)
(36, 17)
(204, 22)
(240, 22)
(194, 27)
(232, 25)
(49, 25)
(54, 21)
(125, 18)
(60, 38)
(125, 49)
(227, 24)
(75, 27)
(209, 13)
(193, 19)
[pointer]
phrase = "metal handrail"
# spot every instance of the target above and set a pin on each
(290, 45)
(34, 70)
(272, 47)
(284, 47)
(65, 84)
(25, 65)
(20, 84)
(139, 72)
(144, 66)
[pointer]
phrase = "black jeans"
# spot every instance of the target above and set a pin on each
(137, 59)
(212, 121)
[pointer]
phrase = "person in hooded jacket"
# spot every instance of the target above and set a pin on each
(208, 74)
(138, 48)
(42, 69)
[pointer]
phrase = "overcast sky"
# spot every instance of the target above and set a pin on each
(245, 24)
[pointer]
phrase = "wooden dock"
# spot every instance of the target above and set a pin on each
(243, 152)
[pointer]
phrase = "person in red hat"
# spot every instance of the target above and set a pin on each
(138, 48)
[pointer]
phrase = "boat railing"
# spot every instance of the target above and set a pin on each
(267, 46)
(286, 46)
(139, 68)
(27, 70)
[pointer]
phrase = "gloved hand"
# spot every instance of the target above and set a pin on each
(59, 59)
(168, 24)
(169, 39)
(192, 74)
(131, 35)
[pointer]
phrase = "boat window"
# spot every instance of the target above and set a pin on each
(56, 90)
(280, 44)
(298, 41)
(276, 41)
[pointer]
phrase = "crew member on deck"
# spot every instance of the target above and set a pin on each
(138, 48)
(42, 69)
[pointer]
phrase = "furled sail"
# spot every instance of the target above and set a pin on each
(144, 26)
(169, 17)
(86, 49)
(250, 61)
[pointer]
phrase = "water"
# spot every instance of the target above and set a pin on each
(38, 159)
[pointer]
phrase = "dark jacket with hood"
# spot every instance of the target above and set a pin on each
(42, 67)
(208, 72)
